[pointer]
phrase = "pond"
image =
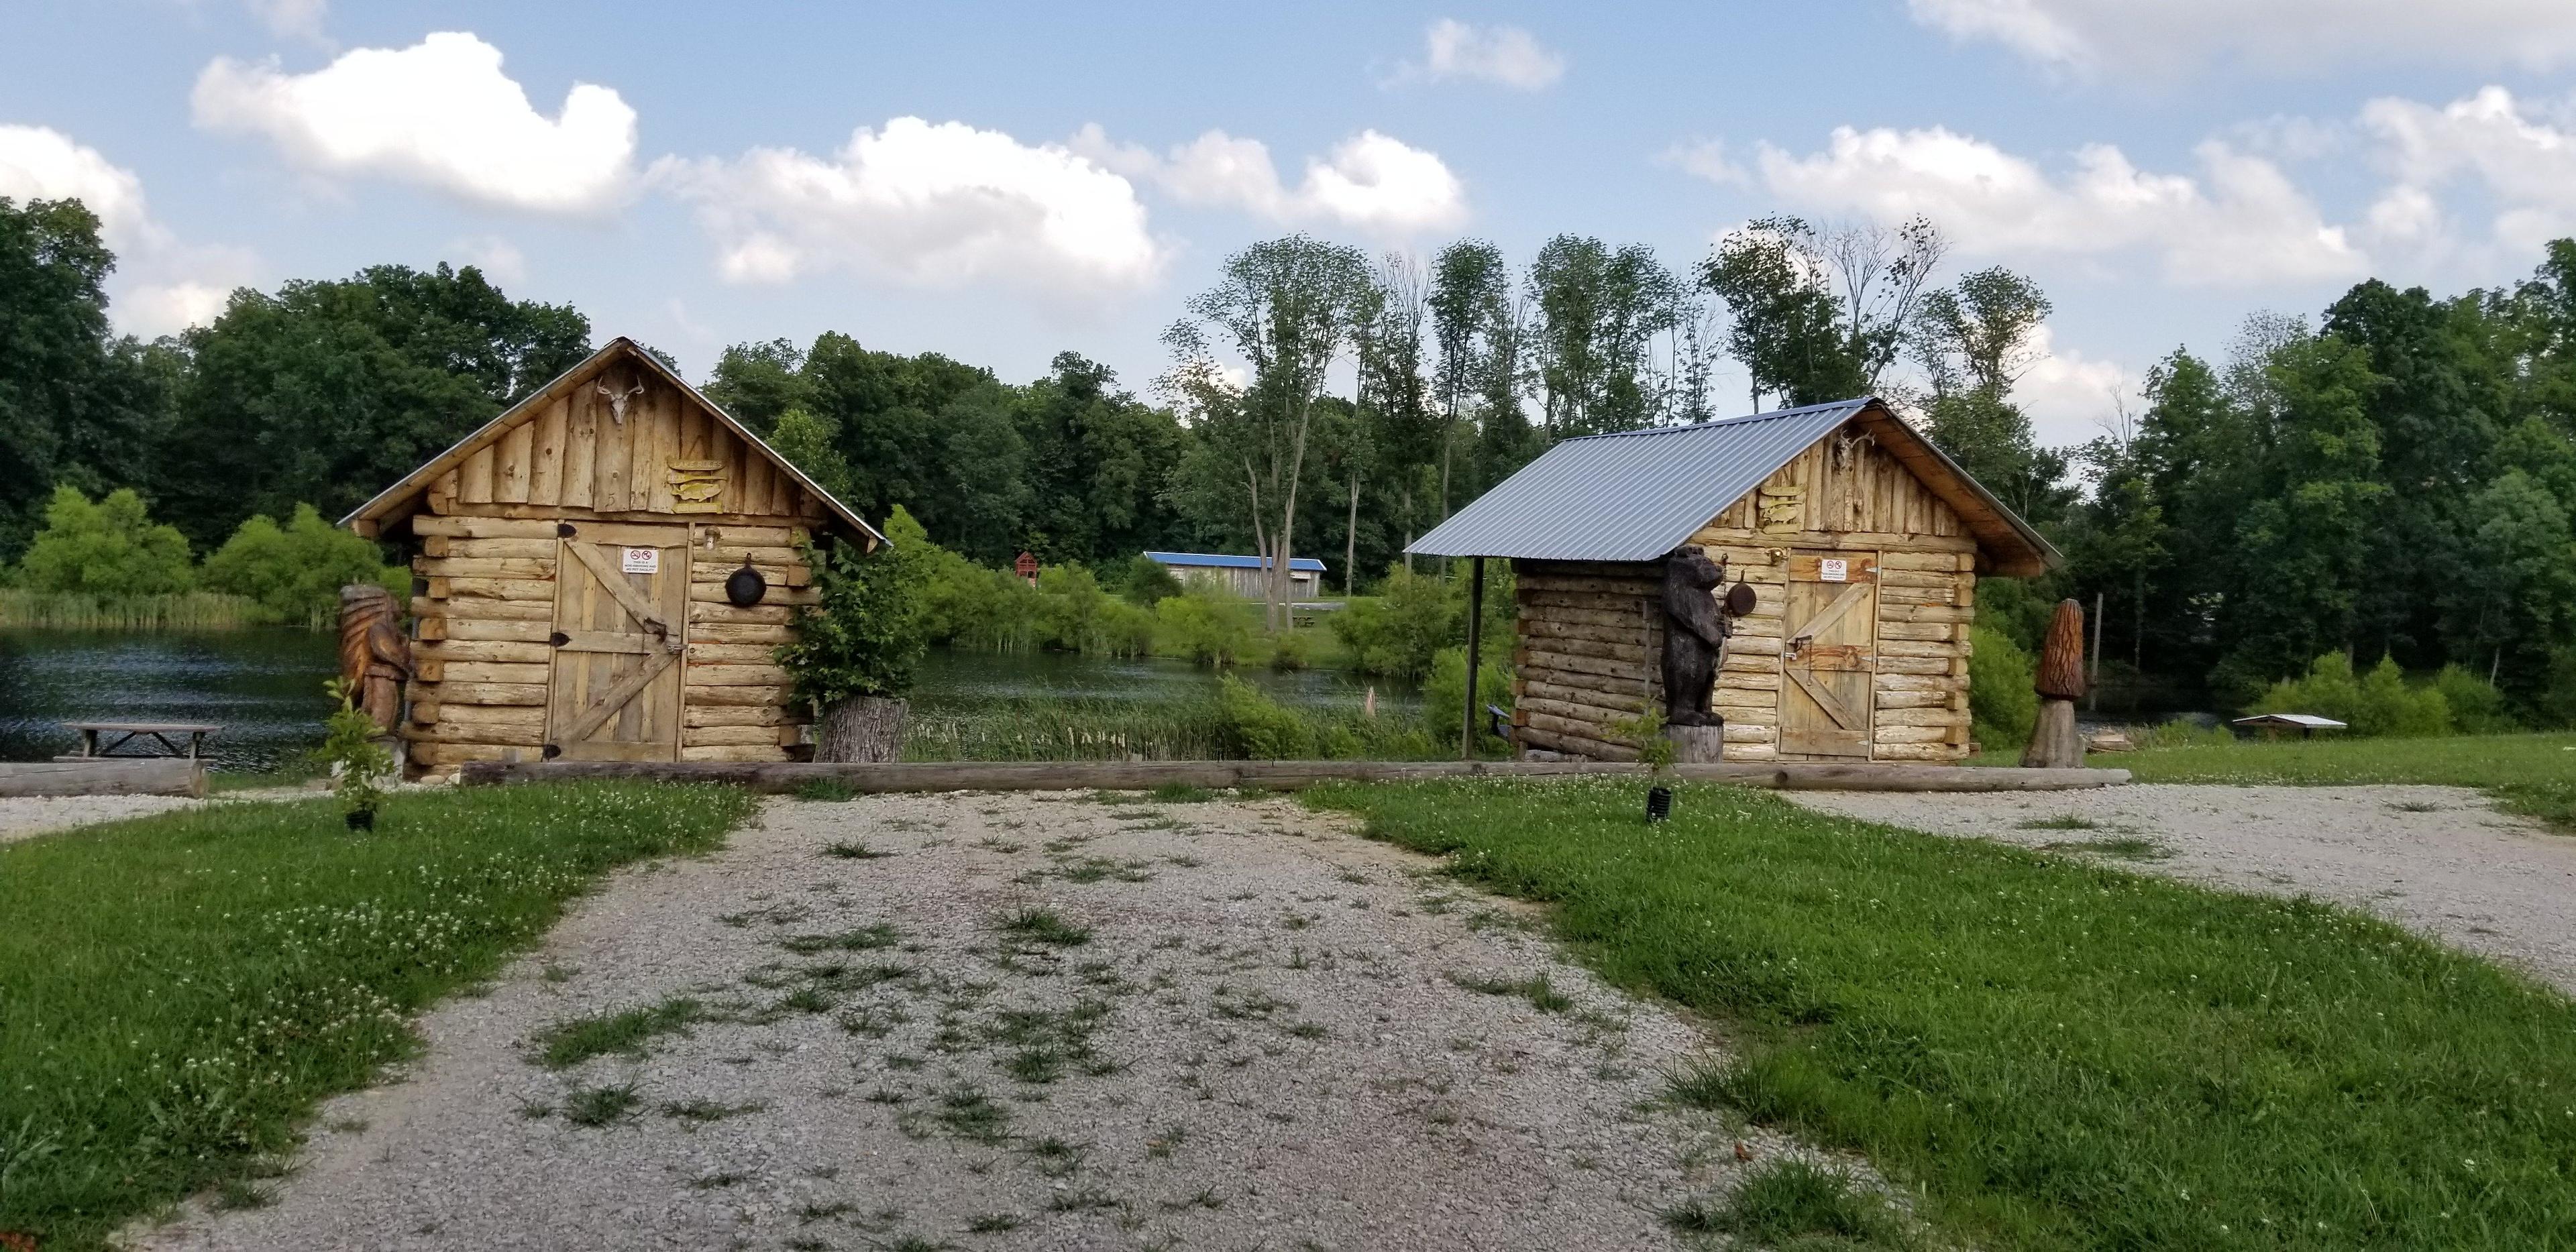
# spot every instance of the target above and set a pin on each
(265, 686)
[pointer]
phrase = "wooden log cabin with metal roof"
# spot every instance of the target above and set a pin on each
(1862, 541)
(569, 590)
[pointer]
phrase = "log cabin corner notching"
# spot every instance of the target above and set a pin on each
(569, 598)
(1862, 541)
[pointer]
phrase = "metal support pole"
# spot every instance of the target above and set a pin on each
(1475, 643)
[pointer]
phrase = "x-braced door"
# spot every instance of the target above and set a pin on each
(621, 614)
(1827, 653)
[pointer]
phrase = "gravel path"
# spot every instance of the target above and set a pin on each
(23, 817)
(2440, 860)
(1276, 1035)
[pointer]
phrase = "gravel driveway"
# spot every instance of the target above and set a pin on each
(24, 817)
(2440, 860)
(1019, 1022)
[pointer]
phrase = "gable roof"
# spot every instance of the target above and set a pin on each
(401, 499)
(1637, 495)
(1214, 560)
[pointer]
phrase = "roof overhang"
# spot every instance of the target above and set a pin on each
(401, 500)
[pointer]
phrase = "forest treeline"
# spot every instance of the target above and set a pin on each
(2392, 479)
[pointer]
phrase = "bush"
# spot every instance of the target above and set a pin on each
(2477, 707)
(1288, 651)
(1444, 697)
(112, 548)
(1396, 632)
(2001, 701)
(296, 571)
(863, 634)
(2182, 732)
(1259, 728)
(2377, 703)
(2557, 702)
(1146, 582)
(1080, 617)
(1205, 623)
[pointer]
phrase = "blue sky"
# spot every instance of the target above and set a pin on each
(1000, 182)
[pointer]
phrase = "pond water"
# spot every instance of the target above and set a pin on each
(265, 686)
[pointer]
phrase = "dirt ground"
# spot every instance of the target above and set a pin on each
(1271, 1034)
(2440, 860)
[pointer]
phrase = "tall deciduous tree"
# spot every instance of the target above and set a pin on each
(1597, 314)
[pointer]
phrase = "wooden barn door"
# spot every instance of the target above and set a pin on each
(621, 616)
(1828, 650)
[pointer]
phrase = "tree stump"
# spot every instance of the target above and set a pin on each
(2060, 681)
(1697, 745)
(861, 728)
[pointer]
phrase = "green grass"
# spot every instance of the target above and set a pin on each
(1796, 1206)
(2124, 847)
(186, 610)
(2050, 1053)
(1044, 926)
(2529, 774)
(177, 992)
(566, 1044)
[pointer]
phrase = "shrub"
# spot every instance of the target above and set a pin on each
(1396, 632)
(2182, 732)
(2477, 707)
(2377, 703)
(862, 635)
(350, 747)
(1205, 623)
(2557, 702)
(1288, 651)
(296, 571)
(110, 548)
(1260, 728)
(1444, 696)
(1080, 617)
(1146, 582)
(2001, 700)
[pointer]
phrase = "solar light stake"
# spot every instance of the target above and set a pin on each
(1659, 803)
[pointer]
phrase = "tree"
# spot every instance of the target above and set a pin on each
(327, 391)
(295, 572)
(1476, 330)
(1290, 307)
(2517, 597)
(1977, 335)
(1098, 463)
(1819, 314)
(1596, 316)
(810, 443)
(759, 382)
(77, 405)
(111, 548)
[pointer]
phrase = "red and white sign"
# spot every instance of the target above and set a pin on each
(643, 561)
(1833, 569)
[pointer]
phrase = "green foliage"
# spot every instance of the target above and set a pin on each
(2476, 707)
(807, 441)
(1207, 624)
(2380, 702)
(1145, 582)
(1646, 731)
(111, 548)
(1444, 696)
(1397, 631)
(1078, 616)
(1289, 651)
(351, 751)
(154, 1052)
(2557, 702)
(1260, 728)
(2002, 699)
(2044, 1053)
(296, 572)
(863, 635)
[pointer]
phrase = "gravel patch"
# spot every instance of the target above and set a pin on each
(1026, 1021)
(2439, 860)
(23, 817)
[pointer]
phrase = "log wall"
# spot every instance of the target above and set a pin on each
(485, 579)
(1591, 642)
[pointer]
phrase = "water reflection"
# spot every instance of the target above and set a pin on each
(265, 686)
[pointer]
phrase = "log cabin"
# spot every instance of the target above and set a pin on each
(570, 566)
(1861, 540)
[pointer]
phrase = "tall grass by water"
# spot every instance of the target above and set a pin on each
(2050, 1054)
(177, 991)
(1233, 723)
(189, 610)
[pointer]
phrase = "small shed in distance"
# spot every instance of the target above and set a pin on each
(1862, 541)
(570, 597)
(1242, 575)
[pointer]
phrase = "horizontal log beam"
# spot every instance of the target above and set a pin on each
(172, 776)
(1277, 775)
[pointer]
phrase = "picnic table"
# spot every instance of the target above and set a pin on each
(101, 739)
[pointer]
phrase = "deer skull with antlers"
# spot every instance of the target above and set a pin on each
(617, 400)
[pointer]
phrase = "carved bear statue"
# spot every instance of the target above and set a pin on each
(1694, 634)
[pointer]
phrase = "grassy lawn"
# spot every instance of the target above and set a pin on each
(2052, 1054)
(176, 992)
(2534, 774)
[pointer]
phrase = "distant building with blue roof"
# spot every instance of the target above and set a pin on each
(1242, 575)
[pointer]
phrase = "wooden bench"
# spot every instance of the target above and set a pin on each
(92, 733)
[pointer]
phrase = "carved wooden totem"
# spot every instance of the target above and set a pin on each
(375, 658)
(2053, 741)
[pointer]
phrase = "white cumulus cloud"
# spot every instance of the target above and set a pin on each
(500, 260)
(292, 19)
(1506, 56)
(2238, 221)
(2522, 156)
(1370, 181)
(2070, 396)
(439, 114)
(161, 286)
(2162, 37)
(929, 205)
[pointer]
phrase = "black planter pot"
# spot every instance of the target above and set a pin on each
(362, 819)
(1659, 804)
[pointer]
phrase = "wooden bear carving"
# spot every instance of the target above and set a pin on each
(1694, 634)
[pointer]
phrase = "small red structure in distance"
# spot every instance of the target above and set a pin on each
(1027, 568)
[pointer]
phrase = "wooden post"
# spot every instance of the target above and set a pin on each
(2053, 741)
(1475, 631)
(2093, 675)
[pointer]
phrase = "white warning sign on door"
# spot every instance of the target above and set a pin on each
(643, 561)
(1833, 569)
